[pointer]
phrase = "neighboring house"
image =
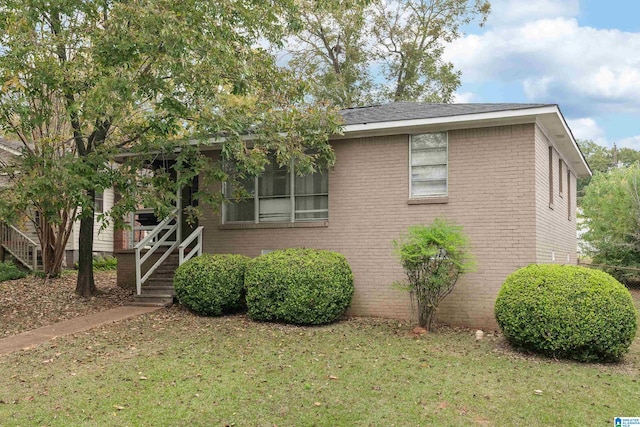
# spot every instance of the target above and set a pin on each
(8, 149)
(505, 172)
(103, 239)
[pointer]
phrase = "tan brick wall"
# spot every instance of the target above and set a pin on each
(126, 275)
(556, 240)
(491, 193)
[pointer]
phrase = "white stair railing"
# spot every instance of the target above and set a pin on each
(195, 251)
(20, 246)
(158, 237)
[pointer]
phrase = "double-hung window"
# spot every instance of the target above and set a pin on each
(428, 164)
(280, 195)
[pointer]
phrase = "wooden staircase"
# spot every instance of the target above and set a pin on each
(158, 290)
(21, 247)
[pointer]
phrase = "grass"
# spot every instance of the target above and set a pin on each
(173, 368)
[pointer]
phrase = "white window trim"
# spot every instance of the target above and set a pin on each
(431, 196)
(292, 207)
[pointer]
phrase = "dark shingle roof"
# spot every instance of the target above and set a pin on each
(404, 110)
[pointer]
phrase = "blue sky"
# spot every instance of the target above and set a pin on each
(583, 55)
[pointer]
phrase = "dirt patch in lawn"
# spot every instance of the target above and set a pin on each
(32, 302)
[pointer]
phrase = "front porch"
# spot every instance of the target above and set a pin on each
(152, 250)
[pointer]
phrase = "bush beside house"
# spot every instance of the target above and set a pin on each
(299, 286)
(433, 258)
(567, 311)
(212, 285)
(9, 271)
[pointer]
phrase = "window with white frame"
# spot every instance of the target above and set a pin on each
(99, 202)
(428, 164)
(280, 195)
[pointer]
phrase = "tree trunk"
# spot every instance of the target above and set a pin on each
(86, 286)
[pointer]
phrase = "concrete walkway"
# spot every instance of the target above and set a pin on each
(30, 339)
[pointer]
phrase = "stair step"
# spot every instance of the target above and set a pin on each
(160, 281)
(163, 273)
(149, 304)
(165, 300)
(158, 290)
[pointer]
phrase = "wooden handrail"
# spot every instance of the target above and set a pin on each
(197, 234)
(20, 246)
(163, 240)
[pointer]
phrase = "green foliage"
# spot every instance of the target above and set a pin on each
(602, 159)
(345, 48)
(567, 311)
(299, 286)
(212, 285)
(9, 271)
(611, 209)
(433, 258)
(105, 263)
(83, 80)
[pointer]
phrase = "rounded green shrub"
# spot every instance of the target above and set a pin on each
(212, 284)
(299, 286)
(567, 311)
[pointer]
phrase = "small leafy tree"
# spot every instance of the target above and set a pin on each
(433, 259)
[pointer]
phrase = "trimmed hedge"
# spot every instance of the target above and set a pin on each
(299, 286)
(9, 271)
(568, 312)
(212, 285)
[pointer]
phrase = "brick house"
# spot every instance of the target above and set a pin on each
(505, 172)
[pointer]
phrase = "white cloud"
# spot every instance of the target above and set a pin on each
(506, 11)
(587, 70)
(632, 142)
(464, 98)
(587, 128)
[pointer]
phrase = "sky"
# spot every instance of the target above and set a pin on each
(583, 55)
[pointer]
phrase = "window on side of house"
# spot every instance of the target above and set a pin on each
(560, 173)
(239, 210)
(550, 177)
(569, 195)
(99, 202)
(428, 164)
(279, 195)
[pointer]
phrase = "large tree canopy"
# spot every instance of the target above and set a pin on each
(602, 159)
(611, 208)
(84, 79)
(363, 51)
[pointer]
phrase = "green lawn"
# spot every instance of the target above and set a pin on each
(172, 368)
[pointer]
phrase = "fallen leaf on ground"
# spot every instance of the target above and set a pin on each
(54, 301)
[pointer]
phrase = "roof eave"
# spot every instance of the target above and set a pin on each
(549, 114)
